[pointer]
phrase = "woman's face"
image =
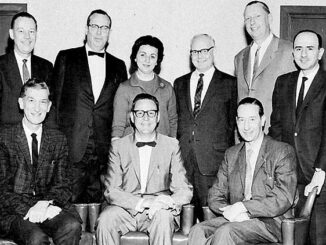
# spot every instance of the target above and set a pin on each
(146, 59)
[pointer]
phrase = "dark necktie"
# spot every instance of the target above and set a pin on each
(150, 143)
(91, 53)
(199, 90)
(300, 97)
(34, 150)
(256, 63)
(25, 71)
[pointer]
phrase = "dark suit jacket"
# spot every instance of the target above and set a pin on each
(277, 60)
(307, 133)
(77, 114)
(11, 83)
(166, 173)
(274, 182)
(212, 131)
(20, 186)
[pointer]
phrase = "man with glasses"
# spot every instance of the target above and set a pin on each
(19, 65)
(206, 105)
(258, 65)
(85, 81)
(146, 182)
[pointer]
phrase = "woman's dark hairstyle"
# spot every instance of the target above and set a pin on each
(151, 41)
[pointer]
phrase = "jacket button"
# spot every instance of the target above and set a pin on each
(295, 134)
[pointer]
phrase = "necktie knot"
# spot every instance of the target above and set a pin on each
(304, 79)
(34, 136)
(150, 143)
(24, 61)
(91, 53)
(201, 75)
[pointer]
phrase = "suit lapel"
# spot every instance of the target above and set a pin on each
(86, 81)
(186, 89)
(212, 88)
(134, 157)
(13, 70)
(261, 159)
(22, 144)
(246, 65)
(45, 143)
(153, 163)
(292, 93)
(314, 89)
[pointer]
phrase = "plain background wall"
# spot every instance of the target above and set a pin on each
(61, 25)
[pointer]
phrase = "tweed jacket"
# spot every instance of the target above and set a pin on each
(274, 185)
(277, 60)
(21, 187)
(11, 83)
(166, 173)
(126, 93)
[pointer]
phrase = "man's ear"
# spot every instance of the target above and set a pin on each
(21, 103)
(49, 106)
(11, 34)
(132, 117)
(158, 117)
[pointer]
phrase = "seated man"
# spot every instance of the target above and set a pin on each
(146, 182)
(34, 186)
(255, 187)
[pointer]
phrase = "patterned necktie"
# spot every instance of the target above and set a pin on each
(34, 150)
(249, 174)
(256, 63)
(199, 90)
(300, 98)
(25, 71)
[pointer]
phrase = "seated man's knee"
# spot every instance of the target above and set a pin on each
(110, 218)
(71, 225)
(226, 230)
(37, 237)
(163, 217)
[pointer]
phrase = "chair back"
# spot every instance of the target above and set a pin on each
(307, 208)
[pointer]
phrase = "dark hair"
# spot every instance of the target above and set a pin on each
(264, 5)
(22, 14)
(144, 96)
(151, 41)
(320, 40)
(252, 101)
(98, 11)
(33, 83)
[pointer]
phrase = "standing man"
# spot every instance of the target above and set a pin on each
(146, 183)
(19, 65)
(255, 188)
(34, 183)
(206, 104)
(258, 65)
(85, 81)
(298, 118)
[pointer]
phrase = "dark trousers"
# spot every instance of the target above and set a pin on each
(201, 184)
(86, 184)
(317, 233)
(64, 229)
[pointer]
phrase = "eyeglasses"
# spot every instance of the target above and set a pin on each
(94, 27)
(141, 113)
(203, 51)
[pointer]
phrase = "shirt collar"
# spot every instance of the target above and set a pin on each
(88, 48)
(20, 58)
(207, 73)
(312, 74)
(28, 132)
(264, 44)
(255, 146)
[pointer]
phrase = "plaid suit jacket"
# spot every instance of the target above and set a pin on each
(20, 188)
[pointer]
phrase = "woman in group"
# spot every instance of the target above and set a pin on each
(146, 58)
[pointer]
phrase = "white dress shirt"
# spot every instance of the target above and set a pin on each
(194, 81)
(29, 138)
(308, 82)
(20, 63)
(97, 69)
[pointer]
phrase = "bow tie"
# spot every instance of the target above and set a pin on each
(91, 53)
(150, 143)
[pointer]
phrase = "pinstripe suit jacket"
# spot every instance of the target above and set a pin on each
(20, 187)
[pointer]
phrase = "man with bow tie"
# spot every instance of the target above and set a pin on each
(146, 182)
(85, 81)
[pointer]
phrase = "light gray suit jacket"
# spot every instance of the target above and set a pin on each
(166, 173)
(276, 61)
(274, 185)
